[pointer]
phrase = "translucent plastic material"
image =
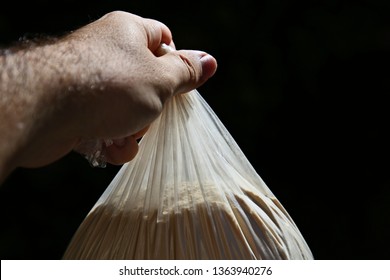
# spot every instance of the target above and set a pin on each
(190, 193)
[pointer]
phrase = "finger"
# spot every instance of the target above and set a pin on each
(141, 133)
(157, 33)
(187, 69)
(124, 149)
(121, 153)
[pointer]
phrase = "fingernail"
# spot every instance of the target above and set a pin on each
(209, 65)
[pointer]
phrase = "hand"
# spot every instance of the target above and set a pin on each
(103, 81)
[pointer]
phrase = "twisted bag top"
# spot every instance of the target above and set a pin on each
(190, 193)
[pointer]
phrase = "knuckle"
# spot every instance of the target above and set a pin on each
(112, 15)
(153, 98)
(153, 107)
(192, 74)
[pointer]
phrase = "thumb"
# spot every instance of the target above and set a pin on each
(188, 69)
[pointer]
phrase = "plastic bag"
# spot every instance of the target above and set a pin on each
(190, 193)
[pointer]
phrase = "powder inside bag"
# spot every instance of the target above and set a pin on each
(190, 222)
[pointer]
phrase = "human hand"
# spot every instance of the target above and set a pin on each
(105, 80)
(151, 80)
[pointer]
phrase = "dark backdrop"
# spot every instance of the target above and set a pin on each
(302, 86)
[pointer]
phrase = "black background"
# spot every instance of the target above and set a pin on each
(301, 85)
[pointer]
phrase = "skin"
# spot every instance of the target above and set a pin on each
(106, 80)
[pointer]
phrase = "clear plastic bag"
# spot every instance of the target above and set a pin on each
(190, 193)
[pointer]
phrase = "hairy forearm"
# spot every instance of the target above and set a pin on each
(19, 99)
(32, 80)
